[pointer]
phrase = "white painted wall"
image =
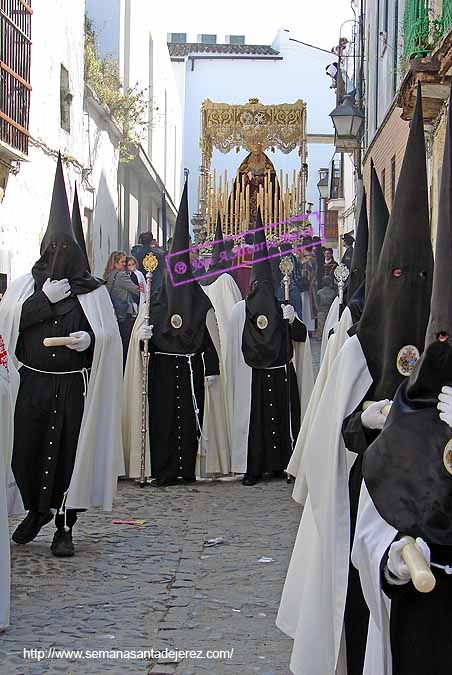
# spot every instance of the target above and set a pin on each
(25, 209)
(299, 74)
(99, 193)
(140, 46)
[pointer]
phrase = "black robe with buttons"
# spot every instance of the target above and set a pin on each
(49, 408)
(173, 427)
(269, 436)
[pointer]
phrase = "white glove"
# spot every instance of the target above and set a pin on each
(396, 564)
(82, 341)
(445, 405)
(145, 332)
(373, 417)
(288, 313)
(56, 290)
(210, 379)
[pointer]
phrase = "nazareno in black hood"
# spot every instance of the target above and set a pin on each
(61, 255)
(178, 313)
(408, 470)
(396, 312)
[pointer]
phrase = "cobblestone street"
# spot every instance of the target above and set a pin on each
(157, 585)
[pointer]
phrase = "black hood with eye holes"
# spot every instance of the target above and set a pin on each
(61, 256)
(262, 343)
(408, 469)
(397, 308)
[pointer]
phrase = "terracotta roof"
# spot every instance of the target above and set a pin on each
(188, 48)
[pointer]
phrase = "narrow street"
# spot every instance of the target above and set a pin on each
(157, 585)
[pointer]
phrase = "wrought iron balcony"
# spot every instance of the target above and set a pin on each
(15, 88)
(421, 31)
(447, 15)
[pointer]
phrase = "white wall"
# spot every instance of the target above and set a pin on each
(25, 209)
(99, 193)
(136, 71)
(300, 74)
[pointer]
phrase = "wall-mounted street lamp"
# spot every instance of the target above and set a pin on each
(348, 121)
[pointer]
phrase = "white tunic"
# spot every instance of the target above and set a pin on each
(313, 600)
(333, 348)
(9, 382)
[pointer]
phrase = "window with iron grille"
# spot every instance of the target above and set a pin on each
(15, 88)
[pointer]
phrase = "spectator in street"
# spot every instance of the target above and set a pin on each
(325, 297)
(137, 277)
(125, 295)
(330, 264)
(140, 251)
(348, 240)
(320, 258)
(308, 267)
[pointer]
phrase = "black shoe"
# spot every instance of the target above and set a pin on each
(268, 475)
(31, 526)
(157, 483)
(189, 480)
(280, 474)
(62, 545)
(249, 480)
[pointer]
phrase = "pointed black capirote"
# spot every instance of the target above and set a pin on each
(179, 311)
(397, 308)
(262, 270)
(77, 226)
(405, 469)
(61, 255)
(219, 246)
(379, 217)
(359, 259)
(441, 305)
(264, 337)
(221, 258)
(59, 225)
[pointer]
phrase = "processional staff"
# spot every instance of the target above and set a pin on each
(150, 263)
(341, 274)
(286, 268)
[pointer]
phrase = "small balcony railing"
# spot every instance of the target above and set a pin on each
(424, 26)
(447, 15)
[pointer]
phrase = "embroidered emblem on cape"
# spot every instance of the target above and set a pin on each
(150, 262)
(176, 321)
(447, 457)
(407, 358)
(262, 321)
(3, 354)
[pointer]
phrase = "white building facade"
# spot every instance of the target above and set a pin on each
(65, 117)
(127, 30)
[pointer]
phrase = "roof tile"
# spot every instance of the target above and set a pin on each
(188, 48)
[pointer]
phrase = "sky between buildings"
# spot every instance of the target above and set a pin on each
(317, 22)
